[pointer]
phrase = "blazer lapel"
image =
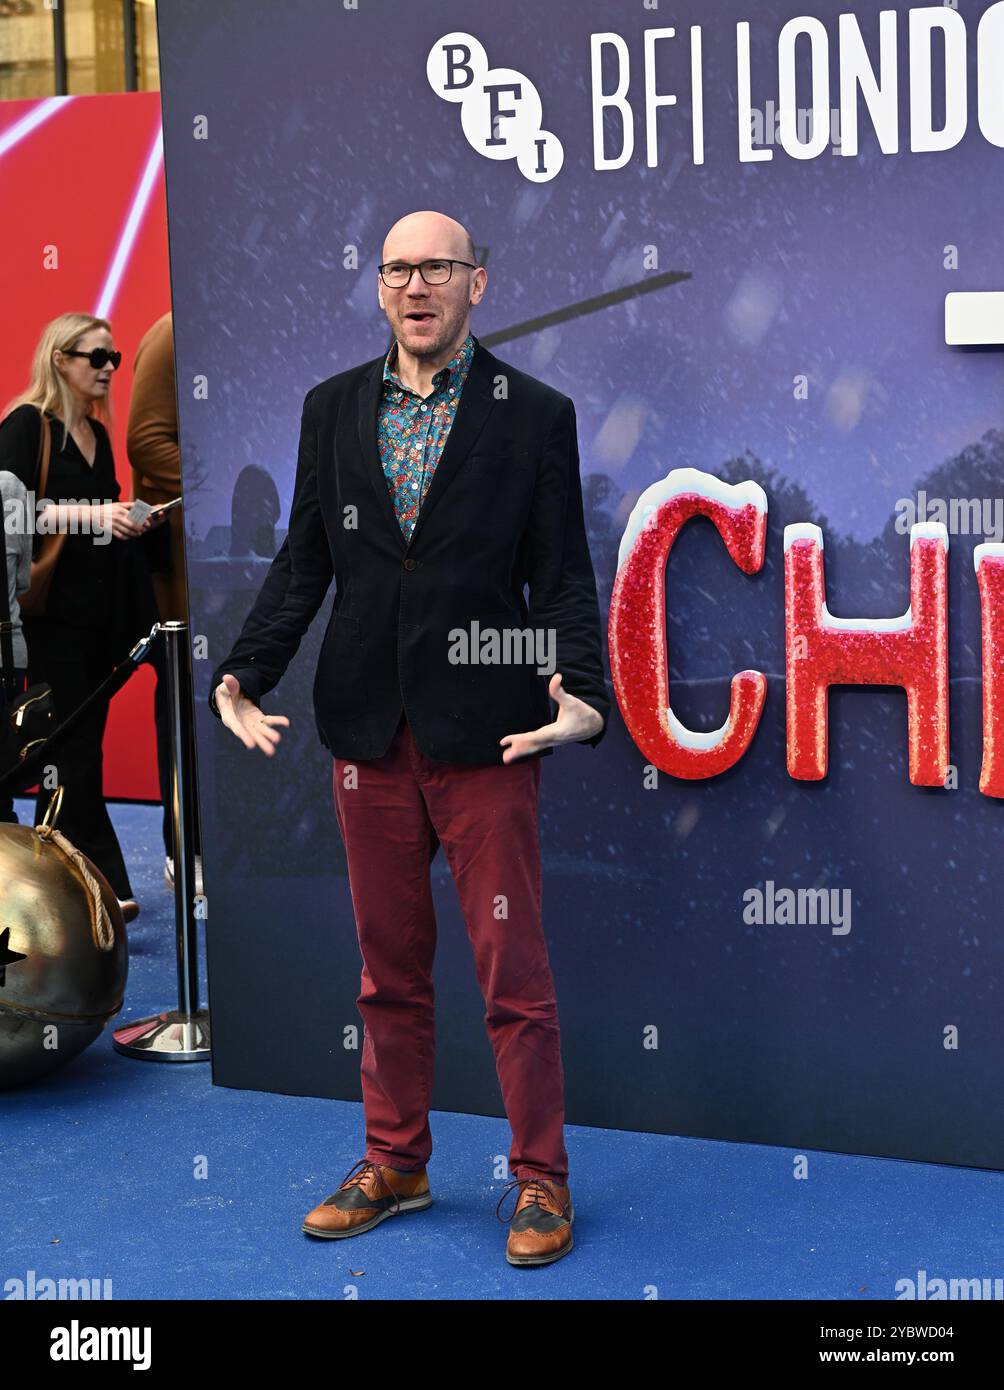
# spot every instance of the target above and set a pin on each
(476, 401)
(369, 404)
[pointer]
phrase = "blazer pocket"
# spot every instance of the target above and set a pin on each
(490, 690)
(501, 459)
(339, 688)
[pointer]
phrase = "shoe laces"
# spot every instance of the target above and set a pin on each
(539, 1188)
(353, 1179)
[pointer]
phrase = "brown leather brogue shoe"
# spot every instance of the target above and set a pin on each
(366, 1198)
(541, 1229)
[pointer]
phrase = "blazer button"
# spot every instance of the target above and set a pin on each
(410, 564)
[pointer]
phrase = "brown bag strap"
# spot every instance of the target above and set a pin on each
(44, 453)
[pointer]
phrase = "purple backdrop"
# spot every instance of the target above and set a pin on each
(321, 130)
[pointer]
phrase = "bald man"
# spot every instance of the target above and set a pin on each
(439, 487)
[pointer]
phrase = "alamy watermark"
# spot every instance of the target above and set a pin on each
(41, 516)
(34, 1286)
(803, 907)
(962, 516)
(506, 646)
(927, 1287)
(78, 1342)
(765, 125)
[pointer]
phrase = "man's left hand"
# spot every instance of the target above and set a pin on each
(575, 721)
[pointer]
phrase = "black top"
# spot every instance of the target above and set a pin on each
(83, 586)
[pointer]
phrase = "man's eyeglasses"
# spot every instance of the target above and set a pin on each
(397, 274)
(98, 357)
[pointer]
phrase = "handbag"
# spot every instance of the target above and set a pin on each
(29, 717)
(33, 601)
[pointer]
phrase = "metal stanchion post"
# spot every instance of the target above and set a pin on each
(182, 1034)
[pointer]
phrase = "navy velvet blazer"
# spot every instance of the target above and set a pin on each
(499, 545)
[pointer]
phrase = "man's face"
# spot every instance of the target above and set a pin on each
(425, 319)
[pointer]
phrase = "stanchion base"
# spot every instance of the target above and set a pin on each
(167, 1037)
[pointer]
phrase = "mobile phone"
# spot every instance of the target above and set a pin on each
(166, 507)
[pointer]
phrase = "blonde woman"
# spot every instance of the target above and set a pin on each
(78, 639)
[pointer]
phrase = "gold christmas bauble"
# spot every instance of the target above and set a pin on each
(63, 951)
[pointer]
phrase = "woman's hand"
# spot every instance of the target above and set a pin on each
(88, 518)
(114, 517)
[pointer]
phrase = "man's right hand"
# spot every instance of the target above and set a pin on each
(244, 719)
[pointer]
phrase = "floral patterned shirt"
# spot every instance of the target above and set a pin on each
(412, 432)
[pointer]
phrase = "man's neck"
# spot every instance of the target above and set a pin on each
(417, 372)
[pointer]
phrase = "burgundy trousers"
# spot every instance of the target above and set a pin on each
(393, 813)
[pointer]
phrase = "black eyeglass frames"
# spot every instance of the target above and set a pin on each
(397, 274)
(98, 357)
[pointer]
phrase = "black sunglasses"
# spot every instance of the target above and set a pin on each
(98, 357)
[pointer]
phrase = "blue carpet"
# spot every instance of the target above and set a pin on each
(100, 1180)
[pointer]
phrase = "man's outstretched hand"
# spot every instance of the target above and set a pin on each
(575, 721)
(243, 717)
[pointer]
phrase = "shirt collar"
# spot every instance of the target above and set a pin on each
(453, 374)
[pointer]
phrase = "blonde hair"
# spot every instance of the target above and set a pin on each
(47, 388)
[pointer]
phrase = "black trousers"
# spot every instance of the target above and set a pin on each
(8, 816)
(74, 663)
